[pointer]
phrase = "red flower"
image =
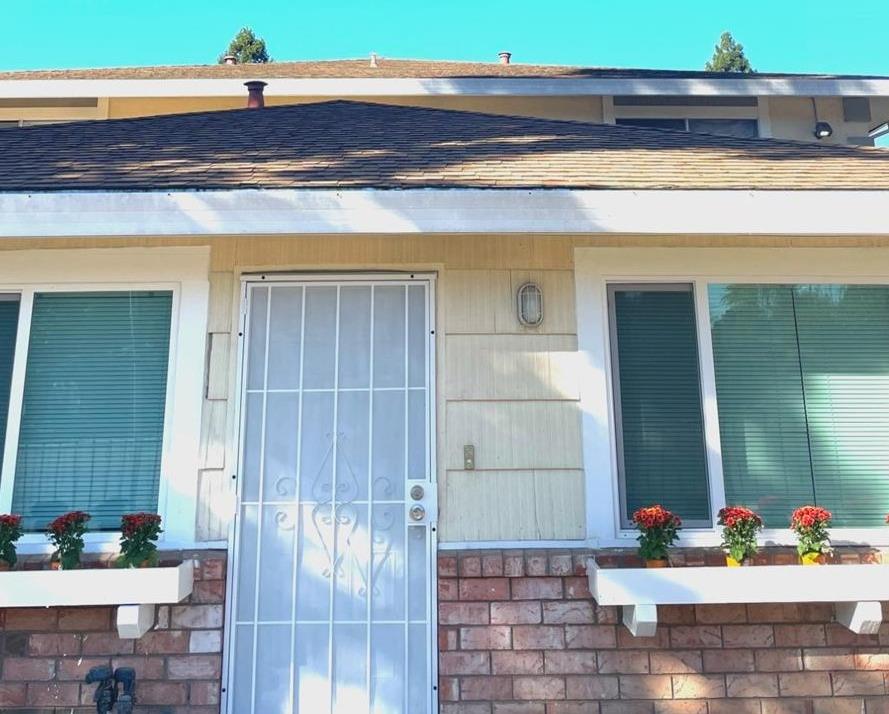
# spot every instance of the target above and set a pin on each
(732, 516)
(655, 517)
(65, 522)
(132, 523)
(10, 520)
(810, 516)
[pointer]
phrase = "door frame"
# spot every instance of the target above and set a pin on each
(234, 453)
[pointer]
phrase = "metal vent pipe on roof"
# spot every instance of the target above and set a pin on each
(255, 97)
(229, 59)
(504, 57)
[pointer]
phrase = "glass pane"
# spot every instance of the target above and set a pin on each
(387, 669)
(311, 654)
(389, 336)
(350, 669)
(281, 446)
(388, 445)
(844, 353)
(272, 668)
(93, 407)
(247, 553)
(320, 337)
(354, 337)
(418, 568)
(257, 328)
(417, 675)
(242, 669)
(284, 336)
(762, 422)
(353, 550)
(417, 336)
(9, 320)
(353, 441)
(417, 463)
(742, 128)
(657, 382)
(276, 563)
(674, 124)
(387, 601)
(316, 467)
(314, 563)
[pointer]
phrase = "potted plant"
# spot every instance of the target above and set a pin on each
(66, 534)
(139, 533)
(811, 523)
(658, 530)
(739, 528)
(10, 532)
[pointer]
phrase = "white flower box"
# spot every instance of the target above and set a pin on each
(856, 589)
(134, 590)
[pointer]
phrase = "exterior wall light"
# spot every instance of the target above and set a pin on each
(823, 130)
(529, 304)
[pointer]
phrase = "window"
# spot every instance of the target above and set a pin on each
(92, 403)
(802, 382)
(662, 458)
(742, 128)
(9, 318)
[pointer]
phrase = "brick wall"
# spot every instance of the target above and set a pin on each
(45, 653)
(520, 634)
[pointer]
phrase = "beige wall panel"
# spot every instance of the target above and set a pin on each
(218, 365)
(215, 506)
(514, 435)
(516, 367)
(221, 301)
(474, 301)
(512, 505)
(214, 434)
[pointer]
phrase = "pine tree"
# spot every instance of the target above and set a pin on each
(728, 56)
(246, 48)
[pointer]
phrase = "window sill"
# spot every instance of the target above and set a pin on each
(135, 591)
(857, 590)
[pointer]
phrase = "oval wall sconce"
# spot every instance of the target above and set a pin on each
(529, 304)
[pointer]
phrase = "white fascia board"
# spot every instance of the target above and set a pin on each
(293, 211)
(370, 87)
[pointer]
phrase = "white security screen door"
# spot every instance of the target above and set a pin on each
(331, 598)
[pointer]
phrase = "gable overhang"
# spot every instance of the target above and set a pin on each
(443, 211)
(466, 86)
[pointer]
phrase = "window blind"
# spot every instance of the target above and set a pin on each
(93, 406)
(9, 318)
(655, 357)
(802, 384)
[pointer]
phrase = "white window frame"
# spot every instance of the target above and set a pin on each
(185, 273)
(596, 268)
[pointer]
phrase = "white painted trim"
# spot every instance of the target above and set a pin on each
(185, 272)
(416, 211)
(765, 117)
(511, 544)
(465, 86)
(596, 268)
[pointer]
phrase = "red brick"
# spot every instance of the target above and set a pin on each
(728, 661)
(676, 662)
(560, 564)
(698, 686)
(447, 639)
(448, 689)
(838, 705)
(454, 663)
(196, 617)
(696, 636)
(676, 614)
(75, 668)
(751, 685)
(828, 658)
(536, 565)
(646, 686)
(804, 684)
(623, 662)
(592, 687)
(778, 660)
(660, 641)
(606, 615)
(469, 566)
(146, 667)
(515, 613)
(538, 637)
(494, 637)
(680, 706)
(624, 707)
(839, 635)
(720, 614)
(568, 612)
(538, 688)
(47, 644)
(194, 667)
(513, 564)
(748, 636)
(773, 612)
(570, 662)
(162, 693)
(484, 589)
(448, 589)
(203, 693)
(105, 643)
(577, 588)
(589, 637)
(447, 566)
(809, 635)
(492, 565)
(485, 688)
(519, 708)
(463, 613)
(851, 683)
(572, 708)
(517, 662)
(208, 591)
(734, 706)
(536, 588)
(465, 708)
(54, 694)
(12, 695)
(872, 659)
(210, 569)
(85, 619)
(205, 641)
(786, 705)
(23, 669)
(37, 619)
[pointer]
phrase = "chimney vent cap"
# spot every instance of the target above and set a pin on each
(504, 57)
(255, 98)
(229, 59)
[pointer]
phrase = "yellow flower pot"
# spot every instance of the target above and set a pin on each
(811, 559)
(732, 563)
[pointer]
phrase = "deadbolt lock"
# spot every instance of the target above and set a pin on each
(417, 513)
(417, 492)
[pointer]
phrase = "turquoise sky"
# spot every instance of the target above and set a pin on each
(779, 35)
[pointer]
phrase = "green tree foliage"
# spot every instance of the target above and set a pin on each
(246, 48)
(728, 56)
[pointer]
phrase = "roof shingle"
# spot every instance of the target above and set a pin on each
(343, 144)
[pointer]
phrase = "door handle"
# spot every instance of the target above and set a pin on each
(417, 513)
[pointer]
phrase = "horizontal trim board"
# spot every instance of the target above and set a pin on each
(294, 211)
(368, 87)
(44, 102)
